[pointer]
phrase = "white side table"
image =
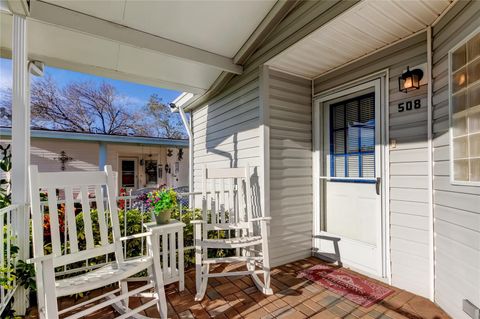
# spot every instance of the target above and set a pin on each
(170, 239)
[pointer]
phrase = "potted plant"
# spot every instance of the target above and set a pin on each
(162, 202)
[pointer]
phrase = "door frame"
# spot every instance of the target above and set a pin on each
(381, 80)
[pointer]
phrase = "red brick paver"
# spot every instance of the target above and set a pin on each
(237, 297)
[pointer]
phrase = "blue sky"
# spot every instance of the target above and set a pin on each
(136, 95)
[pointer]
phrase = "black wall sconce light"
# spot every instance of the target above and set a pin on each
(410, 80)
(167, 169)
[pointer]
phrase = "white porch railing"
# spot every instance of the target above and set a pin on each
(8, 259)
(128, 202)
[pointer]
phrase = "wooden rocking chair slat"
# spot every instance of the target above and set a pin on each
(54, 223)
(87, 219)
(71, 221)
(102, 225)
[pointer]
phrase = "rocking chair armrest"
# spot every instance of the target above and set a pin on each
(39, 259)
(140, 235)
(198, 221)
(261, 219)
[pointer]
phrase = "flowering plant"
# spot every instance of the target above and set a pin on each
(162, 200)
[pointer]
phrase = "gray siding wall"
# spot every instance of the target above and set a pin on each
(457, 208)
(226, 129)
(409, 236)
(291, 197)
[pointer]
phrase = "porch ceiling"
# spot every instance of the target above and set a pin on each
(181, 45)
(369, 26)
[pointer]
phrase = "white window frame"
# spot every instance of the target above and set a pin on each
(450, 118)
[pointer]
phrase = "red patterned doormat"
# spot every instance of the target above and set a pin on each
(359, 290)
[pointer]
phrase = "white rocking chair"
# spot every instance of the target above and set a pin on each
(227, 208)
(49, 288)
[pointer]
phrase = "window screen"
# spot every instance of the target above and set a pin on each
(465, 110)
(352, 138)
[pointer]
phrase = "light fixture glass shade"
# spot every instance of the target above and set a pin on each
(410, 80)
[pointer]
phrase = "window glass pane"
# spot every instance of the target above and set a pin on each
(353, 139)
(459, 58)
(368, 139)
(339, 164)
(459, 102)
(474, 145)
(459, 125)
(460, 147)
(475, 169)
(368, 165)
(128, 180)
(128, 165)
(459, 80)
(353, 166)
(474, 47)
(367, 109)
(474, 95)
(339, 140)
(338, 116)
(352, 112)
(460, 169)
(473, 71)
(474, 122)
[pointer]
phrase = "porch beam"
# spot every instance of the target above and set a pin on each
(84, 23)
(279, 10)
(19, 7)
(105, 72)
(20, 145)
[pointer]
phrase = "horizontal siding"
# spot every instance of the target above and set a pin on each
(291, 197)
(457, 208)
(44, 153)
(226, 129)
(408, 161)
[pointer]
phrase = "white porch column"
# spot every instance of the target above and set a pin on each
(20, 145)
(102, 155)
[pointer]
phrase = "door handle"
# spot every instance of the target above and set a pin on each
(377, 185)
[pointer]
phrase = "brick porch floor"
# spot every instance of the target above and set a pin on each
(236, 297)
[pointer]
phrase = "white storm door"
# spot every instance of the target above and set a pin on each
(350, 183)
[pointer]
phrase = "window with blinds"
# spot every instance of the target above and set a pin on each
(465, 110)
(352, 138)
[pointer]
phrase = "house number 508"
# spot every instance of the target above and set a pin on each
(409, 105)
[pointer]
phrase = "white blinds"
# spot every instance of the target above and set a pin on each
(352, 137)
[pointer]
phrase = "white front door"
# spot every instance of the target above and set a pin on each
(350, 177)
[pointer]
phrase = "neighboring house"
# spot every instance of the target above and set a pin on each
(141, 162)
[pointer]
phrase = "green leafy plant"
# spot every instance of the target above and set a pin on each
(162, 200)
(6, 166)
